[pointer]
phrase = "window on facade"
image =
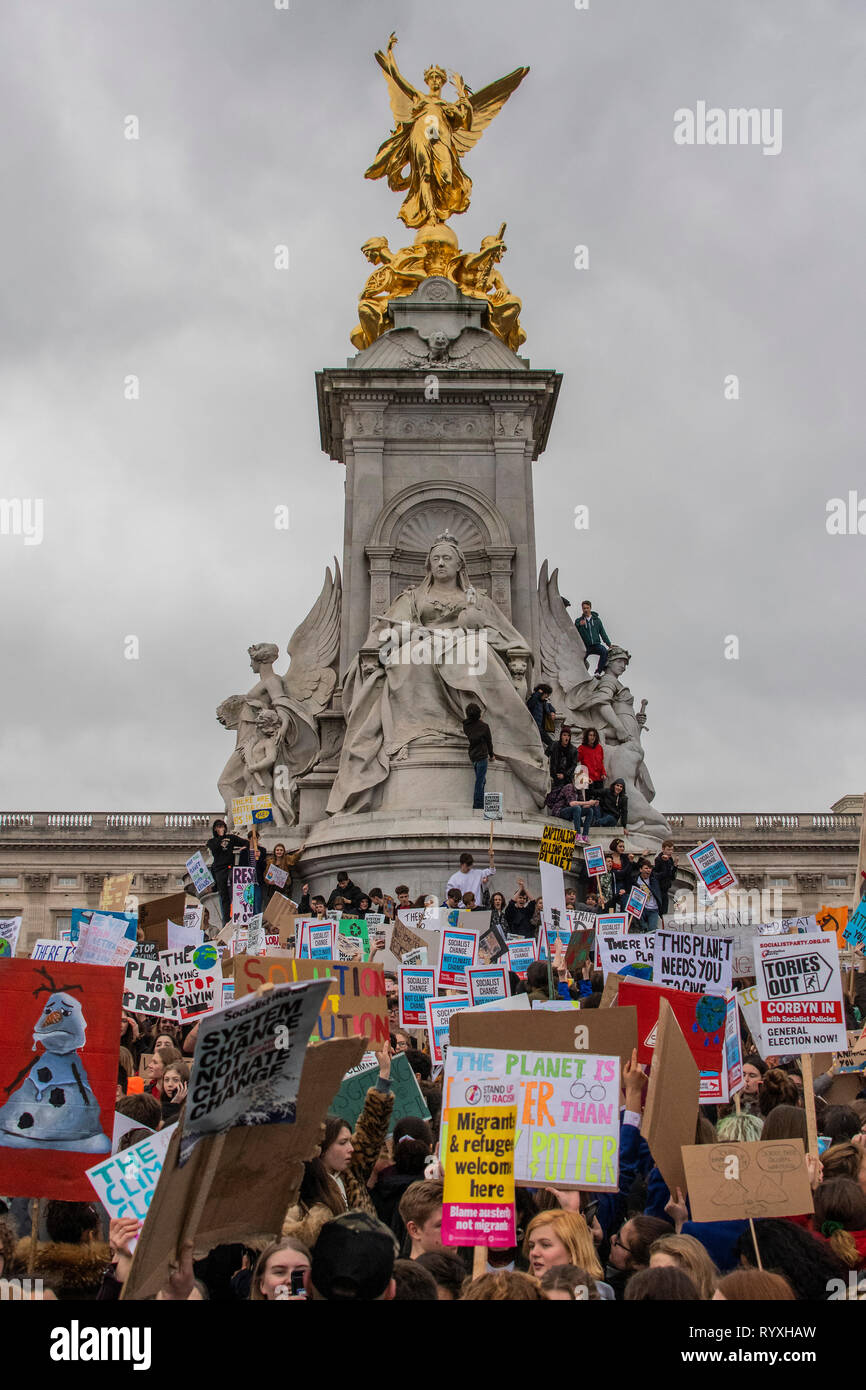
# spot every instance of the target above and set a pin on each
(9, 881)
(67, 881)
(61, 923)
(780, 883)
(837, 883)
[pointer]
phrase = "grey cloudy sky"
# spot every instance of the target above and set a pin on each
(155, 257)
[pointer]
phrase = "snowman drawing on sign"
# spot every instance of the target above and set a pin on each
(50, 1102)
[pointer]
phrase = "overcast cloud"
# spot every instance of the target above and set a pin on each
(155, 257)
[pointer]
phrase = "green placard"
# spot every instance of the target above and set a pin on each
(408, 1100)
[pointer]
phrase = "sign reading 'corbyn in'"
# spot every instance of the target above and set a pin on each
(800, 994)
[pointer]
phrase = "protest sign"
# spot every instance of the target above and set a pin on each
(855, 929)
(439, 1013)
(486, 982)
(734, 1182)
(247, 1062)
(492, 945)
(408, 1100)
(493, 802)
(280, 914)
(557, 846)
(751, 1011)
(612, 923)
(567, 1110)
(153, 917)
(399, 939)
(243, 896)
(800, 994)
(701, 1018)
(252, 810)
(122, 1125)
(593, 856)
(733, 1048)
(626, 955)
(787, 926)
(478, 1200)
(671, 1100)
(637, 901)
(144, 991)
(692, 961)
(712, 868)
(104, 940)
(834, 919)
(521, 954)
(10, 928)
(193, 915)
(315, 938)
(59, 1046)
(553, 912)
(356, 1004)
(579, 949)
(256, 936)
(416, 984)
(204, 1201)
(115, 891)
(52, 950)
(192, 979)
(506, 1025)
(356, 928)
(458, 950)
(274, 874)
(521, 1002)
(199, 872)
(125, 1183)
(412, 916)
(180, 935)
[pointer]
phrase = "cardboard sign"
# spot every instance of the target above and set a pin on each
(59, 1046)
(252, 810)
(438, 1023)
(192, 979)
(458, 952)
(487, 982)
(10, 928)
(521, 954)
(411, 916)
(671, 1106)
(637, 901)
(712, 868)
(557, 846)
(567, 1111)
(626, 955)
(400, 939)
(355, 928)
(144, 990)
(787, 926)
(202, 878)
(408, 1100)
(733, 1182)
(492, 945)
(356, 1004)
(593, 856)
(205, 1202)
(416, 986)
(104, 940)
(247, 1063)
(478, 1206)
(579, 949)
(115, 891)
(243, 896)
(700, 1016)
(493, 804)
(280, 914)
(693, 961)
(800, 994)
(505, 1024)
(126, 1182)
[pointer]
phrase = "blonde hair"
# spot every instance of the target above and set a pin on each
(691, 1257)
(506, 1286)
(571, 1229)
(287, 1243)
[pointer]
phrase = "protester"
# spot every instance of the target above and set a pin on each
(840, 1123)
(421, 1213)
(785, 1122)
(345, 889)
(665, 870)
(448, 1271)
(353, 1261)
(630, 1246)
(590, 755)
(413, 1283)
(845, 1161)
(592, 634)
(569, 1284)
(647, 879)
(753, 1286)
(687, 1254)
(498, 907)
(560, 1237)
(175, 1082)
(563, 759)
(481, 752)
(840, 1219)
(278, 1275)
(279, 858)
(411, 1145)
(612, 804)
(807, 1264)
(543, 713)
(664, 1285)
(506, 1286)
(754, 1068)
(72, 1260)
(742, 1128)
(467, 878)
(520, 912)
(222, 847)
(777, 1088)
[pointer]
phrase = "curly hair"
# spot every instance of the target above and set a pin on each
(777, 1088)
(506, 1286)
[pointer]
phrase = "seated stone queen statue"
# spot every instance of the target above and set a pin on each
(442, 645)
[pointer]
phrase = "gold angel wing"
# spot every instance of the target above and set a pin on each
(401, 101)
(563, 655)
(485, 105)
(314, 647)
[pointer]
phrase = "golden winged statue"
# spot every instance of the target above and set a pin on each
(422, 154)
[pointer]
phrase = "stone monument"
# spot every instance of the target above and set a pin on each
(437, 422)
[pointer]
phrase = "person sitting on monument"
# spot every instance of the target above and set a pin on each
(563, 758)
(345, 889)
(467, 877)
(593, 635)
(520, 911)
(280, 859)
(543, 713)
(222, 847)
(480, 742)
(566, 803)
(613, 805)
(590, 754)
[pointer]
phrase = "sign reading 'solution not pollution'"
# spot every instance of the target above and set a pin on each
(800, 994)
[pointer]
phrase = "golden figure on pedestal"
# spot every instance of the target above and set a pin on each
(422, 157)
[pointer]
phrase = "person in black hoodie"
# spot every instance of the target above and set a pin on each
(613, 805)
(222, 848)
(563, 759)
(480, 751)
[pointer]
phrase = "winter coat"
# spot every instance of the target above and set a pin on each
(72, 1272)
(591, 630)
(480, 739)
(519, 919)
(593, 761)
(563, 759)
(665, 871)
(611, 803)
(538, 707)
(371, 1131)
(558, 801)
(224, 859)
(351, 895)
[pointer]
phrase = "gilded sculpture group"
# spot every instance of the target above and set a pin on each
(422, 158)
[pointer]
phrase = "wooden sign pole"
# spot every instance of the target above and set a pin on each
(809, 1103)
(479, 1261)
(34, 1236)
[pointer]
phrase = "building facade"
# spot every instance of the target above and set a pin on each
(53, 861)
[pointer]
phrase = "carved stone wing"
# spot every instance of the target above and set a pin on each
(314, 647)
(485, 105)
(563, 655)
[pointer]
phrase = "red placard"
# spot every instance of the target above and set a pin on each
(59, 1046)
(700, 1016)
